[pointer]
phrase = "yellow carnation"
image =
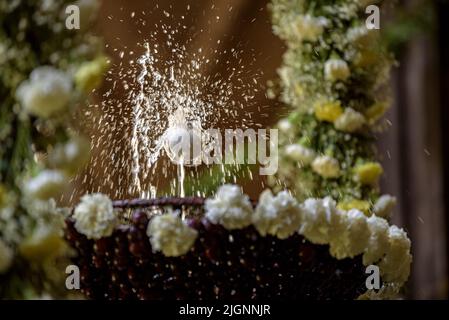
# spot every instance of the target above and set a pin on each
(360, 205)
(90, 75)
(368, 173)
(44, 242)
(328, 111)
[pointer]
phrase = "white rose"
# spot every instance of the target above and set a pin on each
(169, 233)
(95, 217)
(48, 184)
(230, 208)
(350, 121)
(326, 166)
(279, 216)
(336, 69)
(299, 153)
(46, 93)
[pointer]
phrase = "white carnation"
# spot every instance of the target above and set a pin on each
(354, 238)
(326, 166)
(169, 233)
(279, 216)
(321, 220)
(230, 208)
(350, 121)
(378, 241)
(307, 27)
(384, 206)
(299, 153)
(46, 93)
(6, 257)
(95, 217)
(336, 69)
(48, 184)
(395, 266)
(285, 126)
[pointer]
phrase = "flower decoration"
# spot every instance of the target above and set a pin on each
(171, 235)
(95, 217)
(230, 207)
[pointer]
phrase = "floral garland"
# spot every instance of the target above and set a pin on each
(334, 77)
(46, 70)
(348, 233)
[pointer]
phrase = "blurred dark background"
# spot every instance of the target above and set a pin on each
(415, 149)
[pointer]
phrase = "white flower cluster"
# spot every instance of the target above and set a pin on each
(348, 233)
(47, 184)
(230, 208)
(278, 216)
(95, 217)
(352, 233)
(46, 93)
(350, 121)
(171, 235)
(308, 28)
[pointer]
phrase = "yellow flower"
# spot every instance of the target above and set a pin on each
(90, 75)
(328, 111)
(368, 173)
(360, 205)
(376, 111)
(44, 242)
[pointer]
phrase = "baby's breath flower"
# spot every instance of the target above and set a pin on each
(307, 27)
